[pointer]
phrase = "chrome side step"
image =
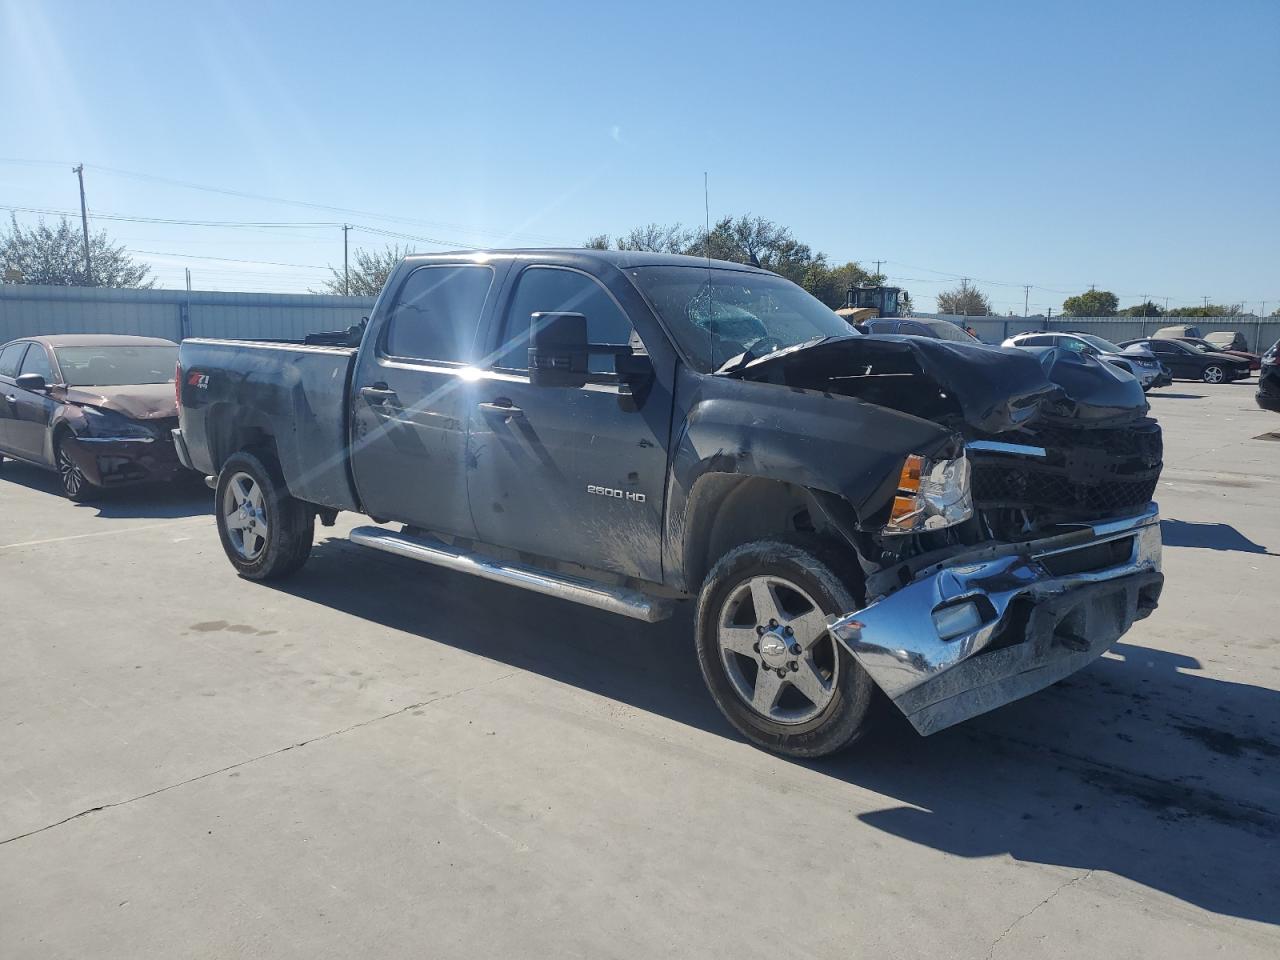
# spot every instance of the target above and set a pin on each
(629, 603)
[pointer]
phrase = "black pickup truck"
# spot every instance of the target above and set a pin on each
(952, 524)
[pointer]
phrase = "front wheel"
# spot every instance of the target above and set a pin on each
(76, 487)
(265, 532)
(773, 668)
(1213, 374)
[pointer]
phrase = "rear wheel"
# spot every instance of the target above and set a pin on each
(1213, 374)
(772, 667)
(75, 485)
(265, 532)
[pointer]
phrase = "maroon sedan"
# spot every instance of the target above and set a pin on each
(98, 409)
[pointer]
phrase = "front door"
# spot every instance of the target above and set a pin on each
(10, 361)
(412, 395)
(32, 411)
(573, 473)
(1180, 363)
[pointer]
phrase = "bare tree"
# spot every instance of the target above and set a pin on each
(964, 300)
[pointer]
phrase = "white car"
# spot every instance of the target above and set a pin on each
(1141, 363)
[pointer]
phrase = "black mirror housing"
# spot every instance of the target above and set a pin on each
(31, 382)
(558, 349)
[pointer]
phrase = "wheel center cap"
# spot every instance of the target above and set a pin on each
(773, 649)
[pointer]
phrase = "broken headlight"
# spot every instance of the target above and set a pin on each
(932, 494)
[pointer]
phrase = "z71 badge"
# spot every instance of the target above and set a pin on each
(616, 494)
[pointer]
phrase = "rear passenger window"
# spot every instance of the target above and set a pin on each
(37, 361)
(438, 312)
(552, 290)
(10, 357)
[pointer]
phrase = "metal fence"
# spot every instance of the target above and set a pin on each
(1260, 332)
(29, 310)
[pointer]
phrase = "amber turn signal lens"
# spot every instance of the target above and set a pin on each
(902, 507)
(909, 479)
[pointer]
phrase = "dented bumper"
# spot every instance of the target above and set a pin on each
(122, 461)
(973, 635)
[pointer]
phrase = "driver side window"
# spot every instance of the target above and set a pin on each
(37, 361)
(556, 290)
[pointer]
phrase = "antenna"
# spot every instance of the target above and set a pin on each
(706, 250)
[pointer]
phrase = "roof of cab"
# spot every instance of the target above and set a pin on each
(622, 259)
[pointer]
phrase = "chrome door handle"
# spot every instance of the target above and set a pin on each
(505, 407)
(377, 394)
(11, 397)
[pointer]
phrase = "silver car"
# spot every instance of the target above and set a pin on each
(1141, 363)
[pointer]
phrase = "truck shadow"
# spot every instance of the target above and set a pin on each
(187, 497)
(1208, 536)
(1137, 766)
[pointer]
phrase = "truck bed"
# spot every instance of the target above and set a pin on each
(299, 394)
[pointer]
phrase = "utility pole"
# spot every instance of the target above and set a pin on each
(346, 272)
(84, 223)
(1166, 306)
(1026, 297)
(188, 280)
(1206, 300)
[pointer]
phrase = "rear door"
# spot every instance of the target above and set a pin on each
(412, 395)
(32, 412)
(10, 361)
(574, 473)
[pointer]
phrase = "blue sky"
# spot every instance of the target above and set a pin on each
(1130, 145)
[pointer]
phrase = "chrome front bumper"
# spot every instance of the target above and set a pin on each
(1045, 612)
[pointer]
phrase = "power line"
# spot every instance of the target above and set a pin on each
(267, 198)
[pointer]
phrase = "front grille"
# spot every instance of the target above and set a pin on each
(1084, 474)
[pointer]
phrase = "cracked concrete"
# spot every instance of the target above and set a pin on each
(491, 773)
(1057, 890)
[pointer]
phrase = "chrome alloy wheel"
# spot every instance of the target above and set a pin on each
(245, 516)
(776, 650)
(73, 479)
(1213, 375)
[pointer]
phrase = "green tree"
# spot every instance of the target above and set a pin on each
(655, 238)
(964, 300)
(1207, 310)
(747, 239)
(369, 272)
(55, 256)
(1147, 309)
(1091, 303)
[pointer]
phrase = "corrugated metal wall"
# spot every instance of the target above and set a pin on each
(1260, 332)
(28, 310)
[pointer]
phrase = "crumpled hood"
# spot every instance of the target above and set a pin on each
(993, 389)
(996, 389)
(144, 401)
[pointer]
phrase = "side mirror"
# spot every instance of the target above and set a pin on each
(31, 382)
(558, 349)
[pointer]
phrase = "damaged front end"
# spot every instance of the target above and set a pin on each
(1060, 552)
(984, 628)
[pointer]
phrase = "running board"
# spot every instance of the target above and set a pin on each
(629, 603)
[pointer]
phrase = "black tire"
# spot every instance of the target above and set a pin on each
(1214, 374)
(832, 581)
(75, 486)
(290, 523)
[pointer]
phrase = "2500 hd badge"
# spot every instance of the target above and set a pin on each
(616, 494)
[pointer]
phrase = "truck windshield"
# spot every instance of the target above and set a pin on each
(716, 314)
(116, 366)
